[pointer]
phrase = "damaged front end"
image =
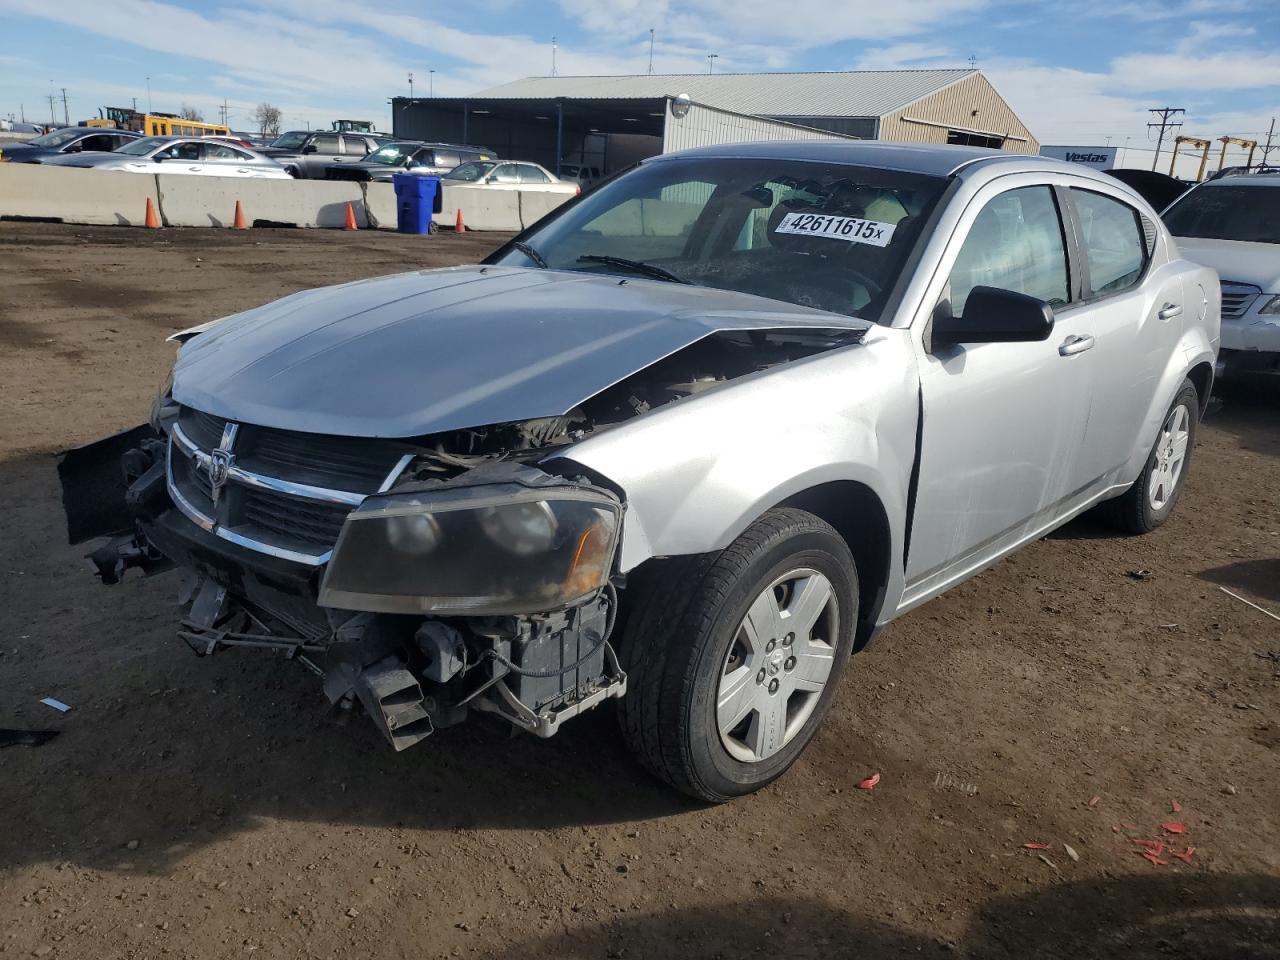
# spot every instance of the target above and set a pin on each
(422, 583)
(472, 569)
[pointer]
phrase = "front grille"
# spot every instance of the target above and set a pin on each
(281, 492)
(1237, 298)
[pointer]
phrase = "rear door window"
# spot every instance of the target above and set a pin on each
(531, 174)
(355, 146)
(326, 143)
(1115, 247)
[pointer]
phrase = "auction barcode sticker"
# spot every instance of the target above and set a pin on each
(851, 229)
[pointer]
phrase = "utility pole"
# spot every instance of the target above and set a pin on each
(53, 117)
(148, 94)
(135, 104)
(431, 84)
(1164, 113)
(66, 115)
(711, 61)
(553, 56)
(651, 50)
(1270, 134)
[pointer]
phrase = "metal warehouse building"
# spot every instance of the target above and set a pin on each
(610, 122)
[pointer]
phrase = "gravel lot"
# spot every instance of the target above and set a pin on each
(214, 808)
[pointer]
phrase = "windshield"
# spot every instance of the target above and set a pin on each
(1245, 212)
(392, 154)
(56, 138)
(140, 148)
(291, 140)
(829, 236)
(471, 172)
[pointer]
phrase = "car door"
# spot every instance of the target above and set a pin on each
(505, 176)
(322, 151)
(224, 160)
(1002, 423)
(183, 158)
(1136, 316)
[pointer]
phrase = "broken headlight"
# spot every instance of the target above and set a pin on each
(491, 549)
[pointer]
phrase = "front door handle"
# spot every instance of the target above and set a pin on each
(1075, 344)
(1169, 311)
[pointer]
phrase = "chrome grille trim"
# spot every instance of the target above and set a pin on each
(1238, 298)
(183, 445)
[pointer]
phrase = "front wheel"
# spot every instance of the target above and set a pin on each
(1151, 499)
(732, 659)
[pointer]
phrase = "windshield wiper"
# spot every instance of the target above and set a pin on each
(531, 253)
(639, 266)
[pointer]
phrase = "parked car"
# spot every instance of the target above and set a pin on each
(204, 156)
(69, 141)
(308, 154)
(687, 442)
(510, 175)
(583, 175)
(1232, 224)
(408, 156)
(1158, 189)
(255, 140)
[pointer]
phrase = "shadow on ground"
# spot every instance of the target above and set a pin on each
(1191, 917)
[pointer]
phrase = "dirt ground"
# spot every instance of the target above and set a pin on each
(215, 808)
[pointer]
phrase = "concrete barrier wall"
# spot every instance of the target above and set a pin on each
(76, 196)
(101, 197)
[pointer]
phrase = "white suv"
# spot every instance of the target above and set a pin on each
(1232, 223)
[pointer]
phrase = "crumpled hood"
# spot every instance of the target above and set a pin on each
(1241, 262)
(420, 353)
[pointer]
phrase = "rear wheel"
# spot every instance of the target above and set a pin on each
(732, 659)
(1151, 499)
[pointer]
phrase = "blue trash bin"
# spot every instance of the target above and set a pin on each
(415, 202)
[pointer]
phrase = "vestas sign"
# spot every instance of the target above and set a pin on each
(1100, 158)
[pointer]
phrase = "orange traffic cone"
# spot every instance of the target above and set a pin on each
(151, 221)
(239, 222)
(458, 225)
(351, 219)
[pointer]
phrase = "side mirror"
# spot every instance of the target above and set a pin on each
(490, 179)
(411, 163)
(309, 148)
(992, 315)
(160, 156)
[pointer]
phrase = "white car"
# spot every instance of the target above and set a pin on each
(179, 155)
(1232, 224)
(510, 175)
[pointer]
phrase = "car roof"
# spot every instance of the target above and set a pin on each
(1244, 180)
(937, 160)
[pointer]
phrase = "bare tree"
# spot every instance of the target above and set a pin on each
(267, 118)
(192, 113)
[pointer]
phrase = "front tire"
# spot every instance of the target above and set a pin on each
(1151, 499)
(733, 658)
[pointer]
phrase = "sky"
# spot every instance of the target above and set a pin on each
(1077, 73)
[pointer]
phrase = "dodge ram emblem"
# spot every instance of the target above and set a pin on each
(220, 461)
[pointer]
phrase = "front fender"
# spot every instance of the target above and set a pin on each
(698, 472)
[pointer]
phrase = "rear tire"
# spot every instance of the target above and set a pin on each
(733, 658)
(1151, 499)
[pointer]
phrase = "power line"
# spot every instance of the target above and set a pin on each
(1164, 113)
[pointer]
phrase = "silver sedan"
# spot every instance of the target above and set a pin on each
(183, 156)
(688, 442)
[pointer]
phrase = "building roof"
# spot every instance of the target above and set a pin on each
(862, 93)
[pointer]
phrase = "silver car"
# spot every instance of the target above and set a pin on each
(688, 442)
(185, 156)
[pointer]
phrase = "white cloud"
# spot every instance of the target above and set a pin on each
(906, 55)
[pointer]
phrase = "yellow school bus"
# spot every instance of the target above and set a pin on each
(158, 124)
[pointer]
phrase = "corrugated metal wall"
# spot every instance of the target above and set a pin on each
(972, 105)
(706, 126)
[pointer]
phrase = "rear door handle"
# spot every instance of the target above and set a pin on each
(1075, 344)
(1169, 311)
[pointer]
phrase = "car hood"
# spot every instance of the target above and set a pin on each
(420, 353)
(1236, 260)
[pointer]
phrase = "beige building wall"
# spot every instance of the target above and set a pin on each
(972, 105)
